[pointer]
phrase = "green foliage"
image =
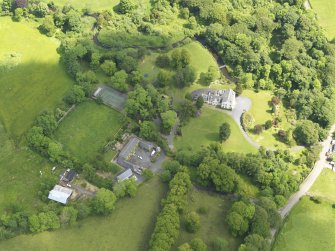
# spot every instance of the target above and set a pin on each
(185, 76)
(219, 244)
(48, 26)
(18, 14)
(199, 102)
(168, 222)
(169, 119)
(104, 202)
(75, 96)
(224, 132)
(147, 174)
(47, 122)
(307, 133)
(192, 222)
(68, 216)
(43, 221)
(125, 188)
(247, 121)
(127, 6)
(108, 67)
(180, 58)
(208, 77)
(119, 81)
(198, 244)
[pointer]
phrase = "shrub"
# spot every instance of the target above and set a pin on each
(315, 199)
(147, 174)
(258, 129)
(247, 121)
(192, 222)
(224, 132)
(268, 124)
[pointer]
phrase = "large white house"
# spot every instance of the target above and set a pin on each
(226, 99)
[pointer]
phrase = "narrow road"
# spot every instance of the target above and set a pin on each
(311, 178)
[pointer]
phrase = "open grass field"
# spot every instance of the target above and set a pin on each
(87, 129)
(325, 10)
(310, 226)
(204, 130)
(129, 227)
(213, 223)
(34, 82)
(20, 174)
(201, 58)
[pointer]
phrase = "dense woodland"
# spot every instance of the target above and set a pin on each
(267, 45)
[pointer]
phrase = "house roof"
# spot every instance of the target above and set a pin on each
(228, 96)
(125, 175)
(70, 175)
(60, 194)
(129, 147)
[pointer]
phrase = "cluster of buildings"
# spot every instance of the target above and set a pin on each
(225, 99)
(135, 157)
(62, 191)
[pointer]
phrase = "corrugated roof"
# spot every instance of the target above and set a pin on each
(60, 194)
(125, 175)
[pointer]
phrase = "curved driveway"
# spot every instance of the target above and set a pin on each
(311, 178)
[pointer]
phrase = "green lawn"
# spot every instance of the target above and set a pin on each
(310, 226)
(128, 228)
(325, 10)
(36, 80)
(201, 58)
(87, 129)
(20, 174)
(261, 112)
(204, 130)
(325, 186)
(213, 223)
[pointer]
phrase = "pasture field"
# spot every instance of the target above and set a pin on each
(129, 227)
(20, 174)
(310, 226)
(212, 222)
(204, 130)
(31, 78)
(325, 11)
(87, 129)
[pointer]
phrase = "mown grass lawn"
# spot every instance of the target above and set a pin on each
(87, 129)
(20, 174)
(204, 130)
(201, 58)
(325, 11)
(213, 223)
(129, 227)
(35, 82)
(310, 226)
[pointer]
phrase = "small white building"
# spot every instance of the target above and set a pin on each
(125, 175)
(60, 194)
(97, 92)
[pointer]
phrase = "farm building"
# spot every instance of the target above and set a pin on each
(68, 175)
(60, 194)
(137, 154)
(125, 175)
